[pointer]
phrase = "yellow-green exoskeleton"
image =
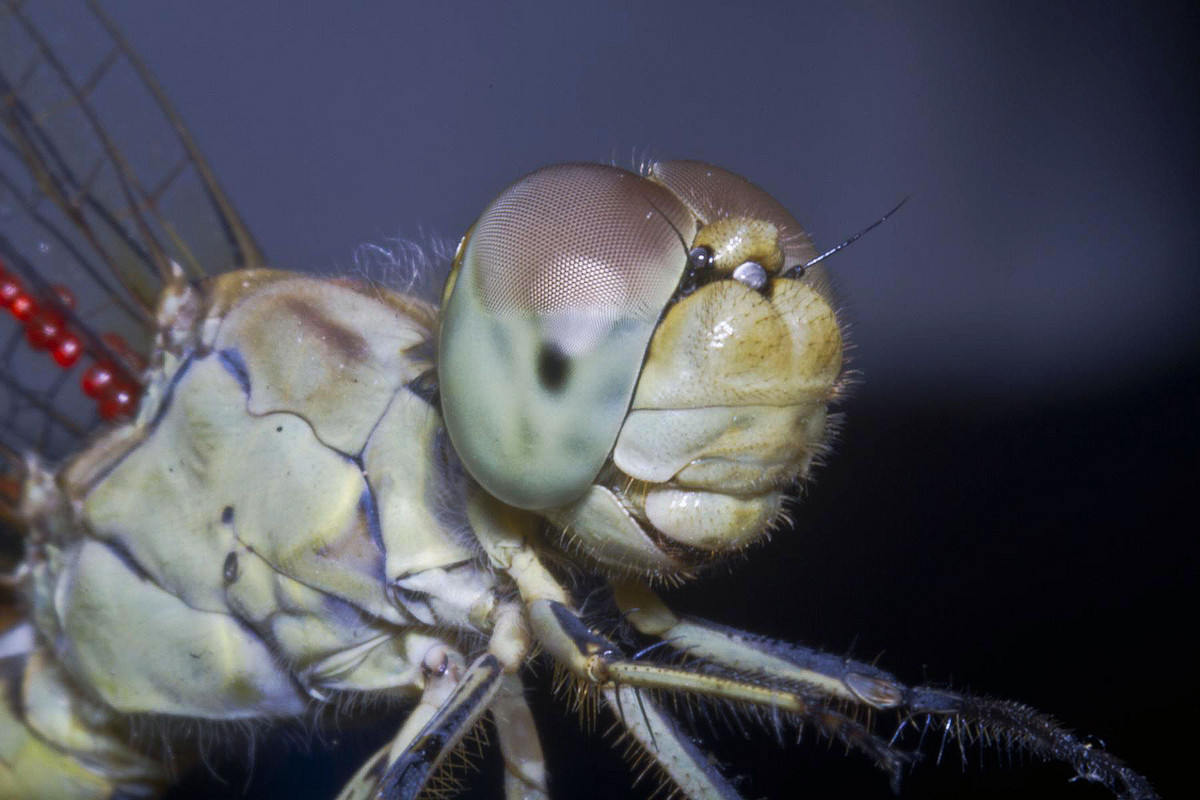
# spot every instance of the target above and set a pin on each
(332, 490)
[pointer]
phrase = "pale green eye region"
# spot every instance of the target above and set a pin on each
(559, 287)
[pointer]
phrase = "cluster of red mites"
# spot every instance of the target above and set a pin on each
(115, 393)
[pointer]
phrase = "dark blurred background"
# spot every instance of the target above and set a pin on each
(1009, 503)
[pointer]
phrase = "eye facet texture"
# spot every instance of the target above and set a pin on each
(558, 289)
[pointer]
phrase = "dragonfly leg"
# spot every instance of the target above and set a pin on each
(507, 538)
(841, 678)
(666, 745)
(524, 765)
(437, 740)
(595, 664)
(849, 683)
(453, 701)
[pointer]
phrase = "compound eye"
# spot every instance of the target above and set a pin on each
(714, 195)
(554, 297)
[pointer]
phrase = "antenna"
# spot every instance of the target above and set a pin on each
(798, 270)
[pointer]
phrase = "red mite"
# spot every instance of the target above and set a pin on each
(120, 402)
(97, 380)
(67, 351)
(45, 329)
(22, 306)
(9, 290)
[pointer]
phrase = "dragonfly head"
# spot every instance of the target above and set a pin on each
(651, 337)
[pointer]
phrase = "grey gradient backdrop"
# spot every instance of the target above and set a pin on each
(1009, 506)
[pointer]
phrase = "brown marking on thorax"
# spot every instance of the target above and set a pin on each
(346, 341)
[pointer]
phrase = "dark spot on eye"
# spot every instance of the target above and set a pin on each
(227, 515)
(553, 368)
(279, 429)
(230, 570)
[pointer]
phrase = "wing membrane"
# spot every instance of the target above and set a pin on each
(101, 189)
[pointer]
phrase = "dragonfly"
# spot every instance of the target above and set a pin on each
(239, 496)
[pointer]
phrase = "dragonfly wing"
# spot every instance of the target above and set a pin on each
(102, 190)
